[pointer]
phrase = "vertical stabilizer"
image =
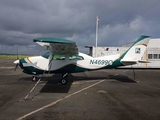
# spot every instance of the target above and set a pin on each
(135, 53)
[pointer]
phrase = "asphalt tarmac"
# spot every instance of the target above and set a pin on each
(119, 94)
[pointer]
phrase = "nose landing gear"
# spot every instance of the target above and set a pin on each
(34, 78)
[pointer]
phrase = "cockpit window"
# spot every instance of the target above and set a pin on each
(59, 57)
(62, 57)
(46, 55)
(76, 57)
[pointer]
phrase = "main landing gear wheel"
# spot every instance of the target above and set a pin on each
(34, 78)
(64, 79)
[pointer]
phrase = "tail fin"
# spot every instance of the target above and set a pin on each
(135, 53)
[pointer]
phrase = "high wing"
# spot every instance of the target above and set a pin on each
(58, 46)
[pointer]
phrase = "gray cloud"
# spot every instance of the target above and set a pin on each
(120, 21)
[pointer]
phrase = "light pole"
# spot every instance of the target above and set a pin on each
(96, 35)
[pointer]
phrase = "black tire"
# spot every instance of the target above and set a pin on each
(34, 78)
(64, 81)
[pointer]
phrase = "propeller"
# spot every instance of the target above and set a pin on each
(17, 61)
(17, 64)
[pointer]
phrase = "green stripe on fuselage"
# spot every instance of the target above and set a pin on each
(72, 68)
(33, 70)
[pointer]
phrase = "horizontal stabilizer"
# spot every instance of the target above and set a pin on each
(131, 62)
(143, 61)
(128, 62)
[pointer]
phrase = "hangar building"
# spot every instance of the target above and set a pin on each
(152, 53)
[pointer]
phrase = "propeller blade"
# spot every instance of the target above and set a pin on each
(16, 66)
(17, 54)
(17, 63)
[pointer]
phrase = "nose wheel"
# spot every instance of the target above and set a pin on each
(34, 78)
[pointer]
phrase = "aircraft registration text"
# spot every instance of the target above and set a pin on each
(101, 62)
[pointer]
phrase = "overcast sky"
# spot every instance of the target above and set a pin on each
(120, 21)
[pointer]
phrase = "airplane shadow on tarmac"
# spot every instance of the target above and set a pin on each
(53, 84)
(122, 78)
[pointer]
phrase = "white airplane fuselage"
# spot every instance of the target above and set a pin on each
(83, 62)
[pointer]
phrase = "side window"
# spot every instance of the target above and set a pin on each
(46, 55)
(76, 57)
(59, 57)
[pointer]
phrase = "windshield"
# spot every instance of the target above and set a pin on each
(46, 55)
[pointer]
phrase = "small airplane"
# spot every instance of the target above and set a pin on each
(63, 57)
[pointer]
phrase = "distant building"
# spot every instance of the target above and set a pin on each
(152, 53)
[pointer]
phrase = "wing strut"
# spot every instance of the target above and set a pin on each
(49, 64)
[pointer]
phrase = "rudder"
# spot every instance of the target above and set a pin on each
(136, 51)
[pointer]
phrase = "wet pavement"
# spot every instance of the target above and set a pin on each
(105, 94)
